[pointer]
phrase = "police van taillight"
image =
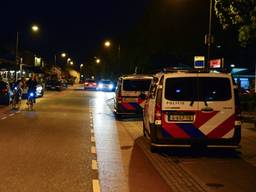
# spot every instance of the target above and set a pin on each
(119, 97)
(158, 107)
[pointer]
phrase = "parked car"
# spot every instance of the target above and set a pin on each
(90, 84)
(5, 94)
(54, 84)
(127, 97)
(186, 108)
(105, 85)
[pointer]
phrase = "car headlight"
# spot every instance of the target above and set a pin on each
(100, 85)
(111, 86)
(39, 89)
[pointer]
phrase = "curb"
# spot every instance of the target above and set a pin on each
(174, 175)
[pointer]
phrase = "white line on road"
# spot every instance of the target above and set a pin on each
(17, 111)
(93, 149)
(96, 185)
(94, 165)
(11, 114)
(3, 118)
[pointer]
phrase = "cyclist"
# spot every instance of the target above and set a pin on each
(31, 85)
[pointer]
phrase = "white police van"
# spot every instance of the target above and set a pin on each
(128, 93)
(192, 107)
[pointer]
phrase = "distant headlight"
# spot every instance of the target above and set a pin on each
(100, 85)
(111, 86)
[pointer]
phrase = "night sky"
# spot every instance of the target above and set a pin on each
(80, 27)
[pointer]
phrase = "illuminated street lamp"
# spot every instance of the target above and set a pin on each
(71, 63)
(98, 61)
(81, 65)
(107, 44)
(63, 55)
(35, 28)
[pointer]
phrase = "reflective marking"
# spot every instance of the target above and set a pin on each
(94, 165)
(11, 114)
(230, 134)
(96, 185)
(92, 139)
(3, 118)
(93, 149)
(17, 111)
(214, 122)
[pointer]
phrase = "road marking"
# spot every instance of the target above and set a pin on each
(93, 149)
(92, 139)
(96, 185)
(17, 111)
(3, 118)
(94, 165)
(11, 114)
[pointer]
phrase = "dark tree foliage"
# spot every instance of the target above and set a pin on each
(238, 14)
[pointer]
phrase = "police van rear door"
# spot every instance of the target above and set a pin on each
(180, 106)
(216, 110)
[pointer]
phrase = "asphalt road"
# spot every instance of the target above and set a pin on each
(72, 142)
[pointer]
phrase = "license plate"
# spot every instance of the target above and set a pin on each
(181, 118)
(127, 100)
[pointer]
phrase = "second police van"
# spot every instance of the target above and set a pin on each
(192, 107)
(128, 92)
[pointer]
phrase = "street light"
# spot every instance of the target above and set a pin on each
(209, 38)
(98, 61)
(107, 44)
(34, 28)
(63, 55)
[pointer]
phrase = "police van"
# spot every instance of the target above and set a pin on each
(190, 107)
(128, 93)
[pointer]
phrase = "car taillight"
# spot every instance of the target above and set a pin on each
(86, 84)
(158, 108)
(94, 84)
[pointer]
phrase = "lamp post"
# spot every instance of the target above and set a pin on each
(108, 44)
(209, 38)
(35, 29)
(63, 55)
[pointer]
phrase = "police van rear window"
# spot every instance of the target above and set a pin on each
(198, 89)
(136, 85)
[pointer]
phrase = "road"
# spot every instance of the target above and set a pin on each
(72, 142)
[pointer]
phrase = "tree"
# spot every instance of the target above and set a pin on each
(240, 14)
